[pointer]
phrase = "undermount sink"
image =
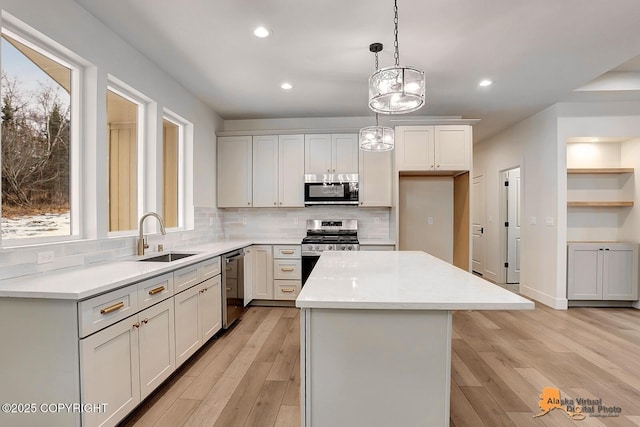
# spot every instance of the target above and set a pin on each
(168, 257)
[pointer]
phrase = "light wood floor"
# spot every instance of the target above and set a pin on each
(500, 363)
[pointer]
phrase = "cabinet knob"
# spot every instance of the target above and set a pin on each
(145, 321)
(136, 325)
(274, 203)
(328, 170)
(248, 203)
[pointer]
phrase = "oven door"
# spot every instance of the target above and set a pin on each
(308, 262)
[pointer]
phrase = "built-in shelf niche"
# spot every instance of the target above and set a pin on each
(600, 187)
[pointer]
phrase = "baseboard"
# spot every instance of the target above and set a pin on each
(600, 303)
(548, 300)
(636, 304)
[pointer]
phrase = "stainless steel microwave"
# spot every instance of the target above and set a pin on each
(330, 189)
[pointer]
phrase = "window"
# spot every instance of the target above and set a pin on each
(123, 127)
(174, 136)
(39, 124)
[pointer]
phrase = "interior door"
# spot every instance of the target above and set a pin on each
(513, 228)
(478, 225)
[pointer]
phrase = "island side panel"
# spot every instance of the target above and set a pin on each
(39, 360)
(376, 367)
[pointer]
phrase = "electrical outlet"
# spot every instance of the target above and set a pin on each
(377, 220)
(430, 220)
(534, 220)
(210, 221)
(295, 220)
(45, 257)
(244, 220)
(549, 220)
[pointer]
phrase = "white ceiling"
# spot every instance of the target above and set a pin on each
(536, 51)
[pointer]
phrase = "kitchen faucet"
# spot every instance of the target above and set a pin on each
(142, 241)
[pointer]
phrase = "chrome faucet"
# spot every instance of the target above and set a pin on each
(142, 241)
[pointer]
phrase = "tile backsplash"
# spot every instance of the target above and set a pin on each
(210, 224)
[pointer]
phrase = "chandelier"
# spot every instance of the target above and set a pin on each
(376, 138)
(396, 89)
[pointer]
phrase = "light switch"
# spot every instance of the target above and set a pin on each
(534, 220)
(548, 220)
(430, 220)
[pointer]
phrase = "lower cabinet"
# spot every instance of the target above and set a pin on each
(262, 274)
(275, 272)
(602, 271)
(198, 316)
(122, 364)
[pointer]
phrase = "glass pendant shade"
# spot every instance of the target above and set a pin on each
(396, 90)
(376, 138)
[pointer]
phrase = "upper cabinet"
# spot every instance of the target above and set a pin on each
(433, 148)
(234, 171)
(375, 178)
(331, 153)
(261, 171)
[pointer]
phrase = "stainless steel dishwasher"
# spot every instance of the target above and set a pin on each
(232, 287)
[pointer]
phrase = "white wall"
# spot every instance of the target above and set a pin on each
(72, 27)
(630, 219)
(532, 145)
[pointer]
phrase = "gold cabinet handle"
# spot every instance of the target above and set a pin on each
(229, 289)
(286, 252)
(156, 290)
(112, 308)
(286, 268)
(288, 291)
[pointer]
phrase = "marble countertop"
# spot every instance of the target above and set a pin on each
(84, 282)
(400, 280)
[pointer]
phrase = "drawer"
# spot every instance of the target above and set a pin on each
(288, 251)
(210, 268)
(155, 290)
(286, 289)
(287, 269)
(186, 277)
(104, 310)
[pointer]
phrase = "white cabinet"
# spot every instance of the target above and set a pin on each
(433, 148)
(602, 271)
(364, 247)
(234, 171)
(122, 364)
(262, 271)
(265, 171)
(198, 317)
(291, 171)
(287, 272)
(375, 178)
(331, 153)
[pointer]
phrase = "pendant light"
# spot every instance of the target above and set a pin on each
(376, 138)
(396, 90)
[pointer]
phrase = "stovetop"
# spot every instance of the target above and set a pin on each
(330, 235)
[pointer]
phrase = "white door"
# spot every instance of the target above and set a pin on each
(157, 345)
(211, 307)
(291, 171)
(188, 328)
(344, 149)
(513, 228)
(265, 171)
(317, 153)
(478, 225)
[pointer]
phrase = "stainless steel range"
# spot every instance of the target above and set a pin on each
(327, 235)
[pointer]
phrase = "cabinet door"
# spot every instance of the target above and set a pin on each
(620, 272)
(584, 272)
(344, 153)
(265, 171)
(452, 147)
(375, 178)
(188, 329)
(234, 171)
(291, 171)
(248, 276)
(110, 372)
(211, 307)
(157, 345)
(262, 260)
(317, 153)
(415, 148)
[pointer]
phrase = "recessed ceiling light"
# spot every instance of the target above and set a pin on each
(595, 139)
(261, 32)
(485, 82)
(286, 86)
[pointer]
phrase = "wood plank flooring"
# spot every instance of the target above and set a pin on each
(501, 361)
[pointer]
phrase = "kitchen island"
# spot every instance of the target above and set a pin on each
(376, 336)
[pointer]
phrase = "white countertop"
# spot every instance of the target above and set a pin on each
(86, 281)
(400, 280)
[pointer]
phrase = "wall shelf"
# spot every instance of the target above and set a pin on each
(599, 204)
(575, 171)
